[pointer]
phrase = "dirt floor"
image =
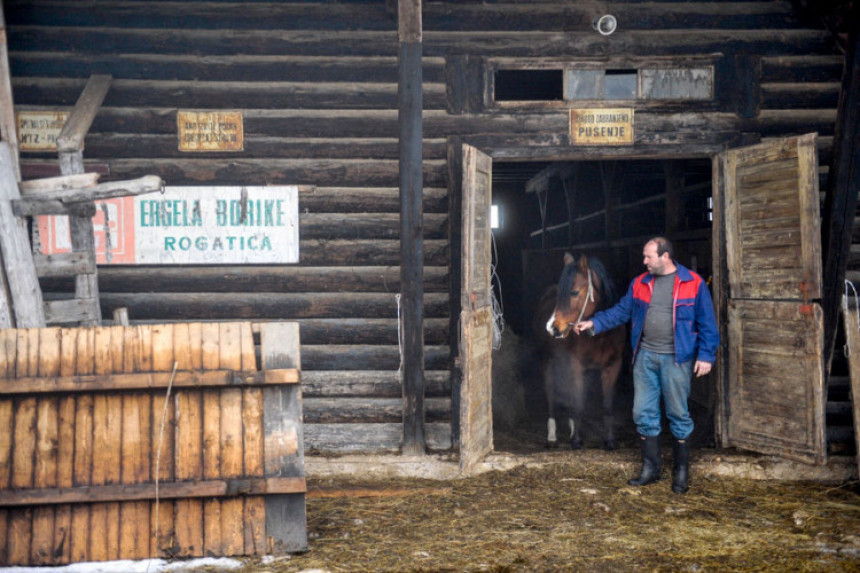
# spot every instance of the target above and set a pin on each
(572, 511)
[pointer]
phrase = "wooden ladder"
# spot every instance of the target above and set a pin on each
(73, 194)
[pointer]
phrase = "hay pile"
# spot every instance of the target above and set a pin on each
(576, 513)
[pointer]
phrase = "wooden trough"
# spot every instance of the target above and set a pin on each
(167, 440)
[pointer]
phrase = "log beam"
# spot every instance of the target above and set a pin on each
(410, 103)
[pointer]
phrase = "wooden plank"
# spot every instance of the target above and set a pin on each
(117, 348)
(102, 350)
(195, 351)
(181, 346)
(851, 324)
(232, 536)
(212, 469)
(136, 455)
(359, 438)
(86, 351)
(20, 526)
(268, 278)
(6, 441)
(71, 138)
(8, 125)
(230, 346)
(150, 380)
(162, 348)
(45, 476)
(65, 475)
(189, 466)
(8, 354)
(254, 515)
(109, 190)
(145, 339)
(248, 350)
(283, 453)
(211, 345)
(83, 462)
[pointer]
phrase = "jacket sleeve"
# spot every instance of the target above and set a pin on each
(706, 324)
(616, 315)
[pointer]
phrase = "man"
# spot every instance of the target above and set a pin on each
(674, 335)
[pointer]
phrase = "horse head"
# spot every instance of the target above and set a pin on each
(578, 297)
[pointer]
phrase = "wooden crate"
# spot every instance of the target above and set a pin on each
(160, 440)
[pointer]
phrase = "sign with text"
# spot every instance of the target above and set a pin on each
(38, 130)
(190, 226)
(601, 126)
(210, 130)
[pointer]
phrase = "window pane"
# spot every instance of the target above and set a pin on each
(620, 84)
(693, 83)
(583, 84)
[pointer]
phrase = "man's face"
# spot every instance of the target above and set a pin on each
(656, 264)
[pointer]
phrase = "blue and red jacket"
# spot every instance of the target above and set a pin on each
(696, 333)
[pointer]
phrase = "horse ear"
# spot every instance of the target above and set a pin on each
(568, 258)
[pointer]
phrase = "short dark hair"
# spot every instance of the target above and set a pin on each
(664, 245)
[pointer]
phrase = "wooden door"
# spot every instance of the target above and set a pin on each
(476, 317)
(775, 386)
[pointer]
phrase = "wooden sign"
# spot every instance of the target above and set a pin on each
(601, 126)
(190, 226)
(38, 130)
(210, 130)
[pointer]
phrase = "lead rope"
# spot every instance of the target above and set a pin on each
(589, 297)
(158, 454)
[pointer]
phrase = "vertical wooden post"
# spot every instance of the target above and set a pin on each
(840, 202)
(9, 134)
(410, 104)
(8, 129)
(283, 455)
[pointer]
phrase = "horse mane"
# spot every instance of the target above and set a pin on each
(606, 290)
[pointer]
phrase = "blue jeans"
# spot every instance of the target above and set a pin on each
(656, 375)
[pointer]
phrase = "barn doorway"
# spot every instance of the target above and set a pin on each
(756, 208)
(604, 208)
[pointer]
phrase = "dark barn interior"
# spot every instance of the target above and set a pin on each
(605, 209)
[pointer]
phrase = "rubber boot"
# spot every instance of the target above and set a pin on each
(650, 461)
(681, 467)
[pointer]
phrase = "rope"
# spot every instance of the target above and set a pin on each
(399, 337)
(158, 453)
(497, 304)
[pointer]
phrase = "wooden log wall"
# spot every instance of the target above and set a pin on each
(148, 441)
(317, 84)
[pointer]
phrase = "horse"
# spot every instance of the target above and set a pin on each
(584, 288)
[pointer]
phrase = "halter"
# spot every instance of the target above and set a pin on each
(588, 297)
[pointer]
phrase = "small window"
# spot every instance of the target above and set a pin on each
(620, 84)
(600, 84)
(678, 83)
(495, 219)
(528, 85)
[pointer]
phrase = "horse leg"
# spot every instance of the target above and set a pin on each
(608, 379)
(577, 404)
(549, 390)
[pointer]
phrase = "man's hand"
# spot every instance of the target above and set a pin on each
(701, 368)
(579, 327)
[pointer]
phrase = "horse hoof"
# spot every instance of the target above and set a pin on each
(610, 445)
(576, 444)
(551, 445)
